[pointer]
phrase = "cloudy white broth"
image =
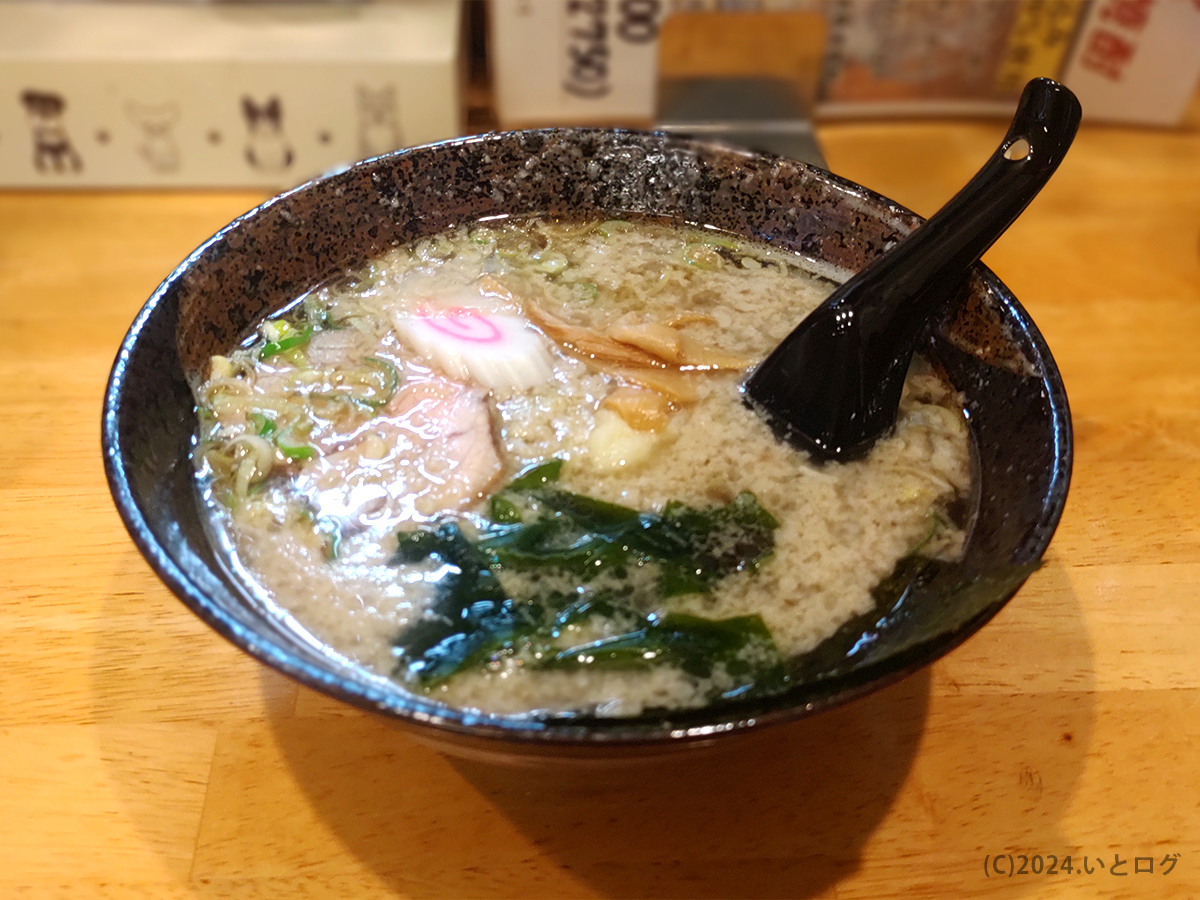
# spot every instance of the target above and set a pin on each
(509, 468)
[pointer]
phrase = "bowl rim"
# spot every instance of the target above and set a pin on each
(561, 734)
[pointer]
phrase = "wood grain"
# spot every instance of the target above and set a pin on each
(143, 757)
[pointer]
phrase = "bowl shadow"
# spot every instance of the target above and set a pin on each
(782, 812)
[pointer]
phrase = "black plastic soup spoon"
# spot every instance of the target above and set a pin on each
(833, 385)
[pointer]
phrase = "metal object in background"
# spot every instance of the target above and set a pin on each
(762, 114)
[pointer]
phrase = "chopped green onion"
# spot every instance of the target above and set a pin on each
(718, 240)
(613, 226)
(702, 256)
(391, 380)
(301, 451)
(264, 427)
(284, 344)
(551, 263)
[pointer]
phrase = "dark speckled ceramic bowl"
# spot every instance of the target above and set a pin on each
(986, 343)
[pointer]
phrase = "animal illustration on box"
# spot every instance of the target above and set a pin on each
(52, 148)
(157, 145)
(378, 128)
(267, 147)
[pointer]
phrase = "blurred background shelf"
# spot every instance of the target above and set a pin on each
(145, 93)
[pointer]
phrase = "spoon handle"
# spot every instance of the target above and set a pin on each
(833, 385)
(1044, 126)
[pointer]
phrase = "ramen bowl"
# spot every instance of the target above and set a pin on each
(985, 342)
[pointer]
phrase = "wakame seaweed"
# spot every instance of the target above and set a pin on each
(743, 644)
(540, 530)
(470, 614)
(540, 527)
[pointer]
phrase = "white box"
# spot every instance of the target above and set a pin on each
(594, 62)
(263, 95)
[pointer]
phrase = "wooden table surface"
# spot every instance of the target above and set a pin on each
(141, 756)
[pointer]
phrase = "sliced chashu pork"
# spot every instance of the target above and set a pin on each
(430, 452)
